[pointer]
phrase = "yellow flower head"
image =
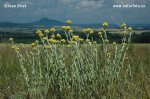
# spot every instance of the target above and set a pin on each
(106, 41)
(66, 27)
(69, 22)
(46, 31)
(87, 40)
(109, 54)
(75, 38)
(114, 43)
(71, 31)
(44, 38)
(52, 41)
(10, 39)
(125, 32)
(105, 24)
(63, 40)
(58, 35)
(38, 31)
(68, 46)
(41, 35)
(53, 36)
(91, 31)
(100, 33)
(102, 30)
(36, 42)
(13, 47)
(123, 26)
(21, 44)
(94, 42)
(17, 49)
(81, 39)
(129, 29)
(48, 46)
(33, 44)
(84, 30)
(90, 43)
(52, 30)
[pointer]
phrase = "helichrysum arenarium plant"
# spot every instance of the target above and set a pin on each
(74, 67)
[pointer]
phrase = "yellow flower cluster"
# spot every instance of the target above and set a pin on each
(123, 26)
(105, 24)
(69, 22)
(75, 38)
(88, 30)
(52, 30)
(66, 28)
(10, 39)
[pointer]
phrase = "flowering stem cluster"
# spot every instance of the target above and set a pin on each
(74, 65)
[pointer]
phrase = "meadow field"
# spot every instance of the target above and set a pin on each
(74, 67)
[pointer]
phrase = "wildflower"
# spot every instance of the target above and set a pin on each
(48, 47)
(109, 54)
(114, 43)
(100, 33)
(123, 26)
(102, 30)
(38, 31)
(94, 42)
(10, 39)
(70, 31)
(105, 24)
(53, 36)
(21, 44)
(63, 40)
(13, 47)
(36, 42)
(52, 41)
(68, 46)
(106, 41)
(90, 43)
(129, 29)
(46, 31)
(33, 44)
(91, 31)
(66, 27)
(69, 22)
(75, 38)
(125, 32)
(44, 38)
(58, 35)
(81, 39)
(52, 30)
(84, 31)
(41, 35)
(17, 48)
(87, 40)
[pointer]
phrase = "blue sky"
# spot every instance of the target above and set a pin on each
(79, 11)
